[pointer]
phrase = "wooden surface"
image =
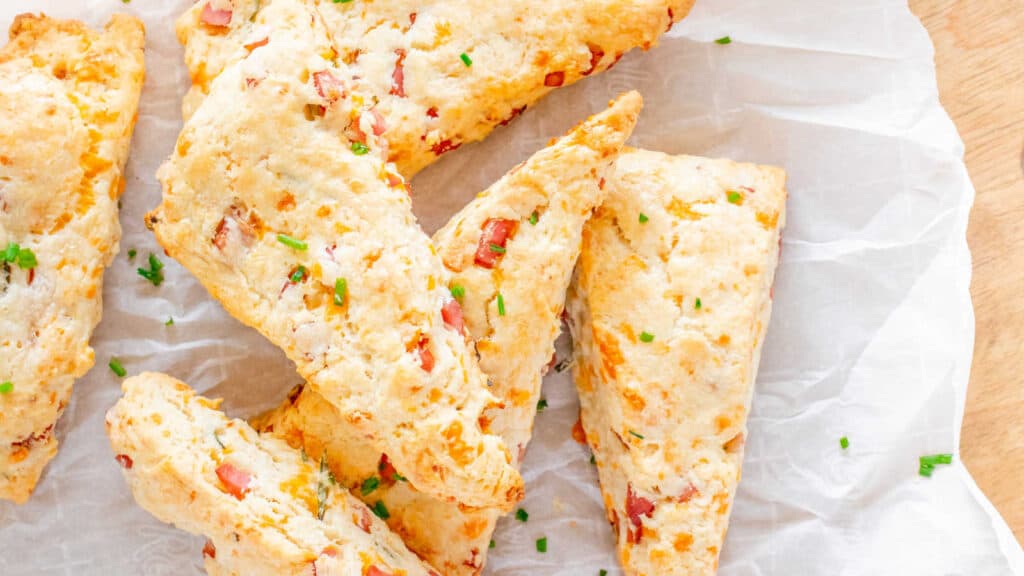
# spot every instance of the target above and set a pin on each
(979, 52)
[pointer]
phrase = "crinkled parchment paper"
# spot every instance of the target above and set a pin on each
(871, 336)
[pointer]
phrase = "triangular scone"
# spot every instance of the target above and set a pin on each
(444, 72)
(306, 235)
(544, 203)
(669, 309)
(266, 508)
(68, 101)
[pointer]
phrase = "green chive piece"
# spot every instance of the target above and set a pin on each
(298, 275)
(593, 459)
(541, 405)
(369, 485)
(340, 291)
(501, 304)
(522, 515)
(497, 249)
(27, 259)
(466, 59)
(491, 544)
(697, 304)
(734, 197)
(132, 253)
(646, 337)
(6, 387)
(724, 40)
(360, 149)
(155, 271)
(23, 257)
(117, 368)
(11, 252)
(221, 443)
(937, 459)
(926, 470)
(381, 510)
(636, 434)
(292, 243)
(534, 218)
(458, 291)
(844, 442)
(542, 545)
(399, 477)
(643, 218)
(342, 1)
(170, 321)
(602, 572)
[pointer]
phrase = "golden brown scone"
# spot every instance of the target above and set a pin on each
(669, 310)
(409, 56)
(544, 204)
(267, 509)
(68, 100)
(307, 235)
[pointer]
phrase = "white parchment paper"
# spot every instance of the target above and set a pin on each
(871, 336)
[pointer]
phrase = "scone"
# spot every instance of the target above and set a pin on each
(279, 200)
(266, 508)
(68, 101)
(443, 73)
(511, 253)
(668, 312)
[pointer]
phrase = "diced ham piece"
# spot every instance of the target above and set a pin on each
(637, 506)
(596, 54)
(444, 146)
(125, 461)
(687, 494)
(452, 314)
(328, 86)
(386, 469)
(398, 76)
(365, 522)
(493, 239)
(380, 126)
(515, 112)
(214, 17)
(235, 481)
(209, 550)
(554, 79)
(426, 357)
(394, 180)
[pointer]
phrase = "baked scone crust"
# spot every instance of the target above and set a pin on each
(266, 508)
(279, 200)
(68, 102)
(409, 56)
(549, 197)
(669, 312)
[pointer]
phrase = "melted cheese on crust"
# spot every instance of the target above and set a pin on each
(562, 185)
(68, 100)
(665, 383)
(266, 159)
(520, 51)
(285, 516)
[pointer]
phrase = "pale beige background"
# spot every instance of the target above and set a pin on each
(979, 53)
